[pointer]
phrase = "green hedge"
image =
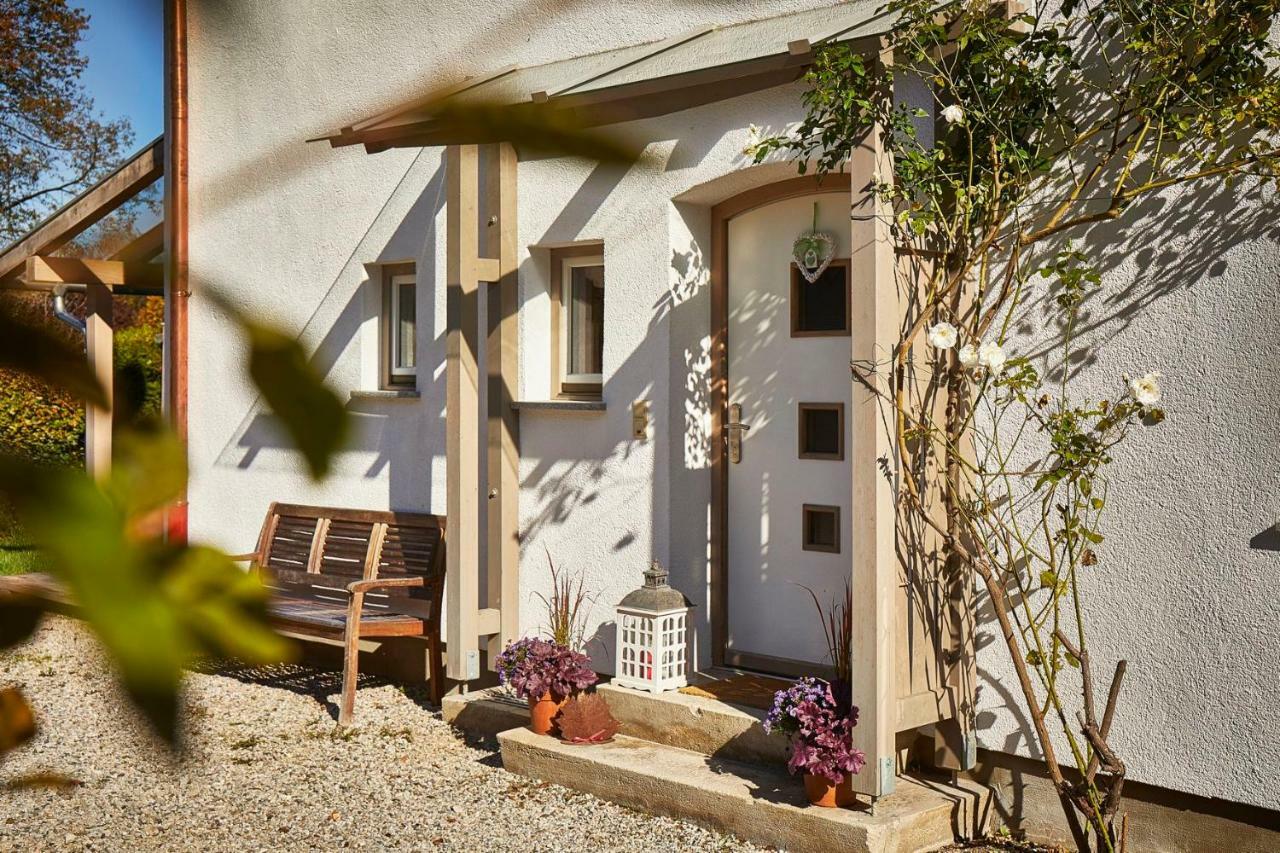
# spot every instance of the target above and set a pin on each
(46, 426)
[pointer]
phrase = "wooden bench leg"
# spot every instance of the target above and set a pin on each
(351, 660)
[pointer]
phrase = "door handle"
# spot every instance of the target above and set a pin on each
(734, 432)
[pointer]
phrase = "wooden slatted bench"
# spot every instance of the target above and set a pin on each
(350, 573)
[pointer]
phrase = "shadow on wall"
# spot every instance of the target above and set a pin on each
(379, 429)
(578, 479)
(1197, 227)
(1183, 241)
(1267, 540)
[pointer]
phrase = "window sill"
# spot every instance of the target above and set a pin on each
(559, 406)
(387, 394)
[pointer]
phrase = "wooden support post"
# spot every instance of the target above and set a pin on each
(874, 336)
(502, 362)
(98, 349)
(462, 414)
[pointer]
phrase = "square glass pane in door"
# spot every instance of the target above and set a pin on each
(821, 429)
(821, 528)
(820, 308)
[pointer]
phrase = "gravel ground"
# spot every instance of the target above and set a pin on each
(266, 768)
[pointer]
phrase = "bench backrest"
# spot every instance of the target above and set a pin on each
(316, 551)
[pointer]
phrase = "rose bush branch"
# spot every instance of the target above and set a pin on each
(1047, 125)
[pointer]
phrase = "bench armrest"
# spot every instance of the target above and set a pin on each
(365, 586)
(245, 558)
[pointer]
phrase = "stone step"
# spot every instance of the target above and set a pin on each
(696, 723)
(484, 712)
(760, 804)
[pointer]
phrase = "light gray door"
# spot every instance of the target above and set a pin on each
(789, 488)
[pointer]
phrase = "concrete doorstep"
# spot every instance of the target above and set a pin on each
(758, 803)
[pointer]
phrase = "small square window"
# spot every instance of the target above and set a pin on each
(821, 430)
(578, 321)
(821, 528)
(821, 309)
(400, 326)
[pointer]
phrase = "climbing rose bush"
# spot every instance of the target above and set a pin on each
(532, 667)
(821, 735)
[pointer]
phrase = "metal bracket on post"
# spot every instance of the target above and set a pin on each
(887, 775)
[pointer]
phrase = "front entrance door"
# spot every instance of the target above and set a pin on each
(788, 490)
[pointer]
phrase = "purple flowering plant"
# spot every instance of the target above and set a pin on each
(821, 731)
(533, 666)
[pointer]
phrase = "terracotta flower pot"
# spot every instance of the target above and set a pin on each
(823, 793)
(543, 711)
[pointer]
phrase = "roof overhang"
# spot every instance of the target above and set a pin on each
(703, 66)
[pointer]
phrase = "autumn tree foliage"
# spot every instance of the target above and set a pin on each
(52, 142)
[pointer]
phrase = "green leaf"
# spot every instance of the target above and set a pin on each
(1048, 579)
(155, 606)
(546, 129)
(38, 352)
(310, 411)
(18, 621)
(148, 470)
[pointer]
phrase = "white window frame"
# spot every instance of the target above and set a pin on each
(394, 370)
(568, 265)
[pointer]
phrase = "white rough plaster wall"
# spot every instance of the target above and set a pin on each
(1190, 290)
(288, 230)
(1182, 590)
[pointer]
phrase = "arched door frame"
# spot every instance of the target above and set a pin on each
(721, 215)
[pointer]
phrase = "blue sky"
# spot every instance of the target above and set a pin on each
(125, 47)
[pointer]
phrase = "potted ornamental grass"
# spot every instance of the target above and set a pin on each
(547, 672)
(821, 730)
(544, 673)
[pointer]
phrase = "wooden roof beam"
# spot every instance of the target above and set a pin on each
(45, 272)
(79, 214)
(145, 247)
(642, 99)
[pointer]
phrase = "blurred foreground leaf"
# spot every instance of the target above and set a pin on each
(18, 621)
(56, 781)
(155, 606)
(17, 723)
(312, 414)
(37, 352)
(541, 128)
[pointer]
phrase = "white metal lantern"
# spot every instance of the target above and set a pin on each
(653, 635)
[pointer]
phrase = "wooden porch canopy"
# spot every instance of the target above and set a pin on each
(30, 262)
(31, 265)
(701, 66)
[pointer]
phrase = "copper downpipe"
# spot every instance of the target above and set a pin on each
(176, 285)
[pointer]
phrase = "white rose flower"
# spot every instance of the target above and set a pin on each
(1145, 389)
(968, 356)
(943, 336)
(991, 356)
(954, 114)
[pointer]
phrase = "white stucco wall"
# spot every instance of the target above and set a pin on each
(291, 230)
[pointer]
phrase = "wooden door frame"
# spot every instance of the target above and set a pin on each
(721, 215)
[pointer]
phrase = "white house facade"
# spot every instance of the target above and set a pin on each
(614, 398)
